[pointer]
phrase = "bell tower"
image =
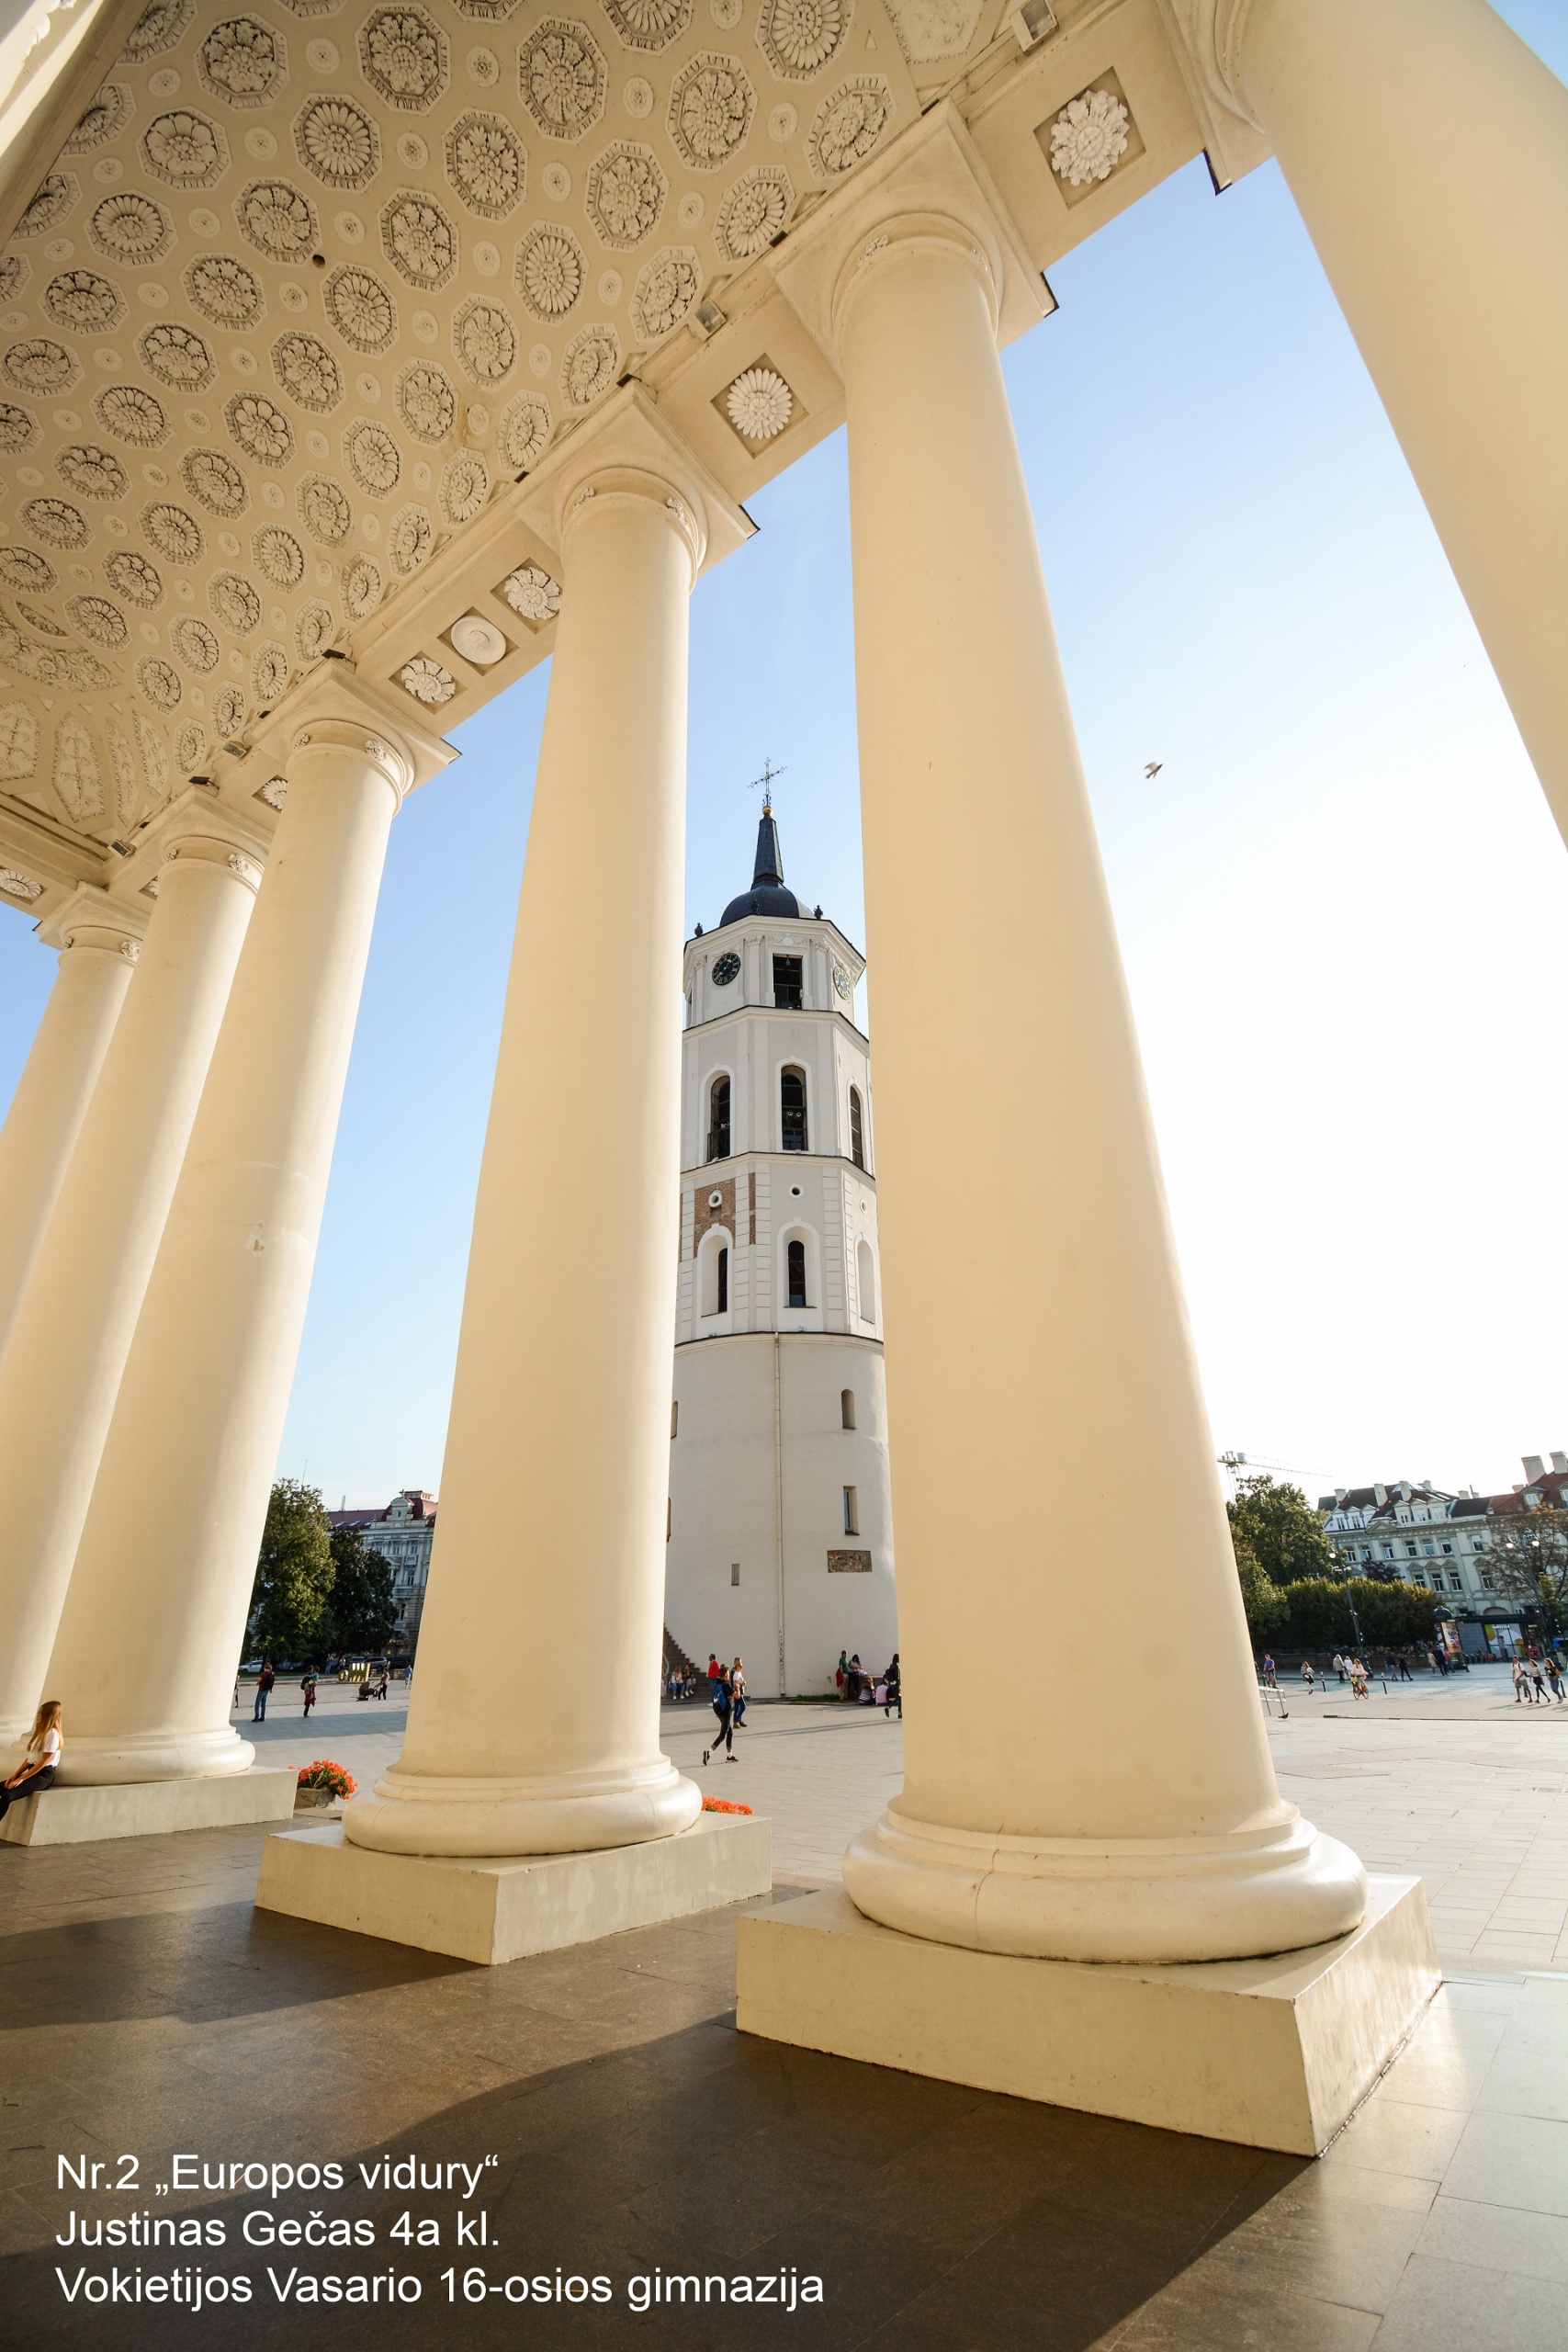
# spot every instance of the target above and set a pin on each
(781, 1538)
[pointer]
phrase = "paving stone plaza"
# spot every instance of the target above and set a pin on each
(147, 2004)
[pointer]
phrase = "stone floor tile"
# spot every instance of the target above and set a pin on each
(1511, 2160)
(1456, 2306)
(1496, 2237)
(1390, 2135)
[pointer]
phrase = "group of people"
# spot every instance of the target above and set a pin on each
(1532, 1674)
(884, 1689)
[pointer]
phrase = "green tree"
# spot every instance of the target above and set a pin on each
(1281, 1530)
(294, 1574)
(1528, 1560)
(362, 1612)
(1392, 1616)
(1266, 1606)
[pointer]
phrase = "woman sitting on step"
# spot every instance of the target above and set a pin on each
(37, 1768)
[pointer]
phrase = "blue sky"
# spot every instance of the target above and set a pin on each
(1342, 903)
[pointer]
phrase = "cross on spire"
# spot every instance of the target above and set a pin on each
(765, 783)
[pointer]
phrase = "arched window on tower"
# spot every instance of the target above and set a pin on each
(865, 1281)
(719, 1119)
(847, 1407)
(723, 1308)
(857, 1129)
(795, 1257)
(792, 1109)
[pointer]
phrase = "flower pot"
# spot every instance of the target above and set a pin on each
(313, 1800)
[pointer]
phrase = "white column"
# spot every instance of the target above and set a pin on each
(144, 1660)
(59, 1375)
(54, 1092)
(1087, 1772)
(533, 1721)
(1427, 149)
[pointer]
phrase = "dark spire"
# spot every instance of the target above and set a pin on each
(769, 867)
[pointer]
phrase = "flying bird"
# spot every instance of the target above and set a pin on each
(1154, 767)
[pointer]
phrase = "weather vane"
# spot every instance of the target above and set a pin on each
(764, 783)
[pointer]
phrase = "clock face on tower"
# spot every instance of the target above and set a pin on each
(842, 981)
(727, 969)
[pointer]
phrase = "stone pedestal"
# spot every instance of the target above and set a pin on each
(500, 1907)
(1276, 2052)
(149, 1808)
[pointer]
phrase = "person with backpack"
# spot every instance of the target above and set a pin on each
(723, 1707)
(737, 1693)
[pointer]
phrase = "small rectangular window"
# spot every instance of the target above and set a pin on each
(852, 1512)
(735, 1572)
(723, 1282)
(847, 1408)
(674, 1416)
(787, 981)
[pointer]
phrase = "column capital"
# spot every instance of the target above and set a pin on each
(196, 823)
(627, 450)
(933, 185)
(336, 696)
(361, 736)
(90, 919)
(1206, 36)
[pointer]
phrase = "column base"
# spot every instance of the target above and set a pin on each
(492, 1909)
(1276, 2052)
(67, 1816)
(411, 1812)
(107, 1760)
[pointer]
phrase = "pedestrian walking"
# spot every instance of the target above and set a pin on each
(1523, 1695)
(1339, 1666)
(716, 1675)
(1270, 1672)
(307, 1692)
(1553, 1676)
(37, 1770)
(737, 1693)
(1308, 1677)
(1536, 1684)
(1403, 1663)
(264, 1681)
(1358, 1679)
(842, 1675)
(894, 1687)
(725, 1735)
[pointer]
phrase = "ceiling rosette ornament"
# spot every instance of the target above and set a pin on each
(403, 56)
(54, 198)
(418, 240)
(361, 587)
(178, 357)
(279, 554)
(753, 213)
(324, 509)
(131, 576)
(531, 593)
(426, 402)
(465, 486)
(665, 291)
(801, 38)
(591, 365)
(176, 535)
(848, 124)
(551, 267)
(100, 620)
(486, 164)
(711, 107)
(759, 403)
(236, 602)
(157, 29)
(91, 471)
(525, 427)
(314, 628)
(158, 682)
(194, 644)
(24, 568)
(360, 308)
(648, 25)
(1088, 138)
(190, 747)
(133, 413)
(83, 303)
(40, 366)
(224, 290)
(427, 681)
(269, 675)
(184, 150)
(627, 191)
(105, 119)
(307, 371)
(215, 481)
(130, 227)
(278, 220)
(485, 340)
(260, 428)
(18, 430)
(243, 62)
(337, 141)
(372, 457)
(56, 523)
(561, 78)
(410, 541)
(14, 271)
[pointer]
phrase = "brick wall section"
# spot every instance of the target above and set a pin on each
(704, 1215)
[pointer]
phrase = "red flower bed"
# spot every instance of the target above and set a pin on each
(324, 1774)
(722, 1804)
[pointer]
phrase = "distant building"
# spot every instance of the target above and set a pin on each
(1417, 1534)
(403, 1533)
